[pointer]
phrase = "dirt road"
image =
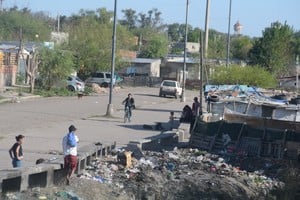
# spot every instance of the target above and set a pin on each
(44, 121)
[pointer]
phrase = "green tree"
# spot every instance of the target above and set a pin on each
(130, 19)
(91, 39)
(217, 44)
(156, 47)
(274, 50)
(13, 20)
(55, 66)
(250, 75)
(194, 35)
(240, 47)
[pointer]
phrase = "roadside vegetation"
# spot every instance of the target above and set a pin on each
(253, 75)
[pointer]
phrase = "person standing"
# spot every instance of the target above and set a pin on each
(195, 107)
(16, 151)
(195, 112)
(69, 144)
(129, 105)
(171, 120)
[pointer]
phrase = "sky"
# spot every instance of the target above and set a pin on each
(254, 15)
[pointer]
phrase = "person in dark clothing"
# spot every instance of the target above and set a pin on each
(16, 151)
(129, 105)
(187, 114)
(196, 107)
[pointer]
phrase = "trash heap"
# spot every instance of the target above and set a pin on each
(179, 174)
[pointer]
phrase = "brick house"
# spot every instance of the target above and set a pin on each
(8, 65)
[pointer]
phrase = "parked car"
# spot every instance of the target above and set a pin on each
(102, 79)
(75, 84)
(169, 87)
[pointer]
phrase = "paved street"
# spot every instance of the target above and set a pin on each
(45, 121)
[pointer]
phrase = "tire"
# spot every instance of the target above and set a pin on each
(105, 85)
(71, 88)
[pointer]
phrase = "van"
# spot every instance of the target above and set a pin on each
(101, 78)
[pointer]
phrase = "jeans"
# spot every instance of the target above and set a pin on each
(16, 163)
(128, 112)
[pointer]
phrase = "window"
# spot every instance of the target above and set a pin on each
(100, 75)
(108, 75)
(169, 84)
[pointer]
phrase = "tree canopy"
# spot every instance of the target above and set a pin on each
(274, 50)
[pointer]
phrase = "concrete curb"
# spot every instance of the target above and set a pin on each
(17, 99)
(49, 173)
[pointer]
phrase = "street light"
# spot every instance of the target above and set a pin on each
(110, 109)
(184, 59)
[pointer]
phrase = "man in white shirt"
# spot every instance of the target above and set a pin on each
(70, 153)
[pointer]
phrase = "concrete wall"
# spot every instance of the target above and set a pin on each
(49, 172)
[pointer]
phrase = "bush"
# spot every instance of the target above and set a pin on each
(249, 75)
(54, 92)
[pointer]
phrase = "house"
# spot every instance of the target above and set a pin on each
(8, 65)
(289, 82)
(141, 66)
(13, 61)
(172, 68)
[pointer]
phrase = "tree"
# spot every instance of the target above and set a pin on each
(55, 66)
(11, 21)
(90, 39)
(273, 50)
(152, 20)
(32, 64)
(217, 44)
(130, 19)
(156, 47)
(194, 35)
(240, 47)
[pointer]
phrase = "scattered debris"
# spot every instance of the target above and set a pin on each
(178, 174)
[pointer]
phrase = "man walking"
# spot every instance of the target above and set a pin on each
(69, 144)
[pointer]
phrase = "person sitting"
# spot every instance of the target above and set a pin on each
(187, 114)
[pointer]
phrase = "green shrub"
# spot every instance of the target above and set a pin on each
(54, 92)
(249, 75)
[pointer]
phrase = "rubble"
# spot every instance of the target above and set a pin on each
(181, 174)
(178, 174)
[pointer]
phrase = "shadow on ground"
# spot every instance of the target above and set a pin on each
(138, 127)
(154, 95)
(156, 110)
(148, 95)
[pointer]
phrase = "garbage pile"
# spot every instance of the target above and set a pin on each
(179, 174)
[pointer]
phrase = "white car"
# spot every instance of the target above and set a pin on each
(75, 84)
(170, 87)
(100, 78)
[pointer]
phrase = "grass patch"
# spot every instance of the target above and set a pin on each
(62, 92)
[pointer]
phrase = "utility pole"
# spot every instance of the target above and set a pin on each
(206, 27)
(228, 35)
(201, 73)
(110, 109)
(297, 74)
(184, 59)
